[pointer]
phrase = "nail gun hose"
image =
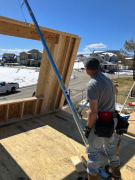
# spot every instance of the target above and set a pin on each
(57, 73)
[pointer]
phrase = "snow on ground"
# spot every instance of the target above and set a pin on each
(125, 72)
(117, 105)
(24, 77)
(73, 77)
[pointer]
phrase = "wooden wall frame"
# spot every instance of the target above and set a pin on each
(63, 47)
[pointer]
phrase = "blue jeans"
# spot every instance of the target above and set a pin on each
(95, 143)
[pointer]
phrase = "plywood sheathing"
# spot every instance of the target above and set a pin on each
(63, 71)
(14, 110)
(38, 149)
(131, 129)
(2, 110)
(70, 68)
(28, 108)
(64, 54)
(53, 80)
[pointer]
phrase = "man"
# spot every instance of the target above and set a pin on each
(101, 97)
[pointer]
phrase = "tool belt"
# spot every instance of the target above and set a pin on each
(104, 126)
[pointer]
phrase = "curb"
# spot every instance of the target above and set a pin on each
(27, 86)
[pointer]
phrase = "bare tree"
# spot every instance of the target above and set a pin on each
(129, 47)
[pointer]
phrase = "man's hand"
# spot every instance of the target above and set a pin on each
(86, 131)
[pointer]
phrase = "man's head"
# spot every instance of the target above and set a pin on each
(92, 67)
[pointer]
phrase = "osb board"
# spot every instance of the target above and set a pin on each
(49, 76)
(70, 68)
(36, 155)
(14, 110)
(131, 121)
(28, 108)
(44, 72)
(63, 73)
(2, 113)
(39, 149)
(59, 61)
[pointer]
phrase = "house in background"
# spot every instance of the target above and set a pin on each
(23, 57)
(0, 58)
(9, 58)
(31, 58)
(108, 60)
(80, 57)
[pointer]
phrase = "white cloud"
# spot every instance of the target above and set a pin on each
(15, 51)
(87, 48)
(97, 46)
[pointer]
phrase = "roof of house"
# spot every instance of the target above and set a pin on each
(111, 51)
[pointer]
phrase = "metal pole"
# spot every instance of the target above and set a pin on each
(82, 94)
(57, 73)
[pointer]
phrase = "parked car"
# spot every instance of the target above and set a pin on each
(6, 87)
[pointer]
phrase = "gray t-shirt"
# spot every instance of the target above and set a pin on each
(101, 88)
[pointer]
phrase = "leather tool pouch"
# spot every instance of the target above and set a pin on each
(122, 125)
(104, 129)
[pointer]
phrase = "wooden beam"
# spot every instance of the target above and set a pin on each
(25, 24)
(35, 107)
(6, 113)
(20, 100)
(70, 68)
(78, 165)
(21, 110)
(76, 151)
(16, 30)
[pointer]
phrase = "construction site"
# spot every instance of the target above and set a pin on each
(38, 139)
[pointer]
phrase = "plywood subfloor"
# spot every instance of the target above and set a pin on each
(131, 121)
(39, 149)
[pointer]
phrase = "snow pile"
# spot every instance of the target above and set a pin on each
(73, 77)
(65, 107)
(84, 102)
(125, 72)
(117, 105)
(24, 77)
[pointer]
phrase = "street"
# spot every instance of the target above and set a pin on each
(76, 87)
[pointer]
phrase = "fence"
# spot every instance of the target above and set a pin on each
(76, 95)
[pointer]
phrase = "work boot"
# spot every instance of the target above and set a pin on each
(93, 177)
(114, 171)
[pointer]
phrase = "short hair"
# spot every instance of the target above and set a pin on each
(92, 64)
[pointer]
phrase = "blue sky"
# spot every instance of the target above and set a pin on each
(102, 24)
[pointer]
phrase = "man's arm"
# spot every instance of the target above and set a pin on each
(93, 111)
